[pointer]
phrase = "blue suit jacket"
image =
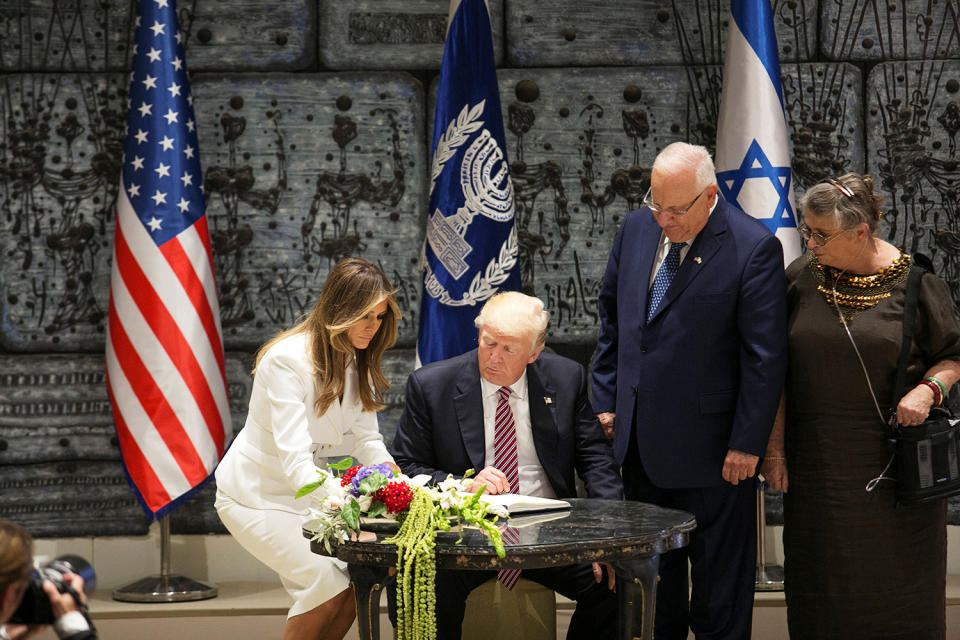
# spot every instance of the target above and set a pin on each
(441, 429)
(706, 373)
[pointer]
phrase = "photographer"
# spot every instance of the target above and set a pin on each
(16, 569)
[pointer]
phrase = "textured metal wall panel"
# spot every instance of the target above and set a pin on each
(824, 119)
(391, 34)
(640, 32)
(877, 30)
(95, 35)
(301, 171)
(333, 167)
(199, 516)
(59, 170)
(913, 118)
(60, 468)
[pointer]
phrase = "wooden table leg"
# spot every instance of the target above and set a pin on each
(368, 582)
(637, 595)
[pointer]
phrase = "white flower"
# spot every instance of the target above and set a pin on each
(332, 502)
(332, 486)
(365, 502)
(452, 484)
(419, 480)
(498, 510)
(448, 500)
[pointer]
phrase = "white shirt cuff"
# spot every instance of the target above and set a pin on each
(70, 623)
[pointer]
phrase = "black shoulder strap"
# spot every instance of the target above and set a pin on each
(917, 269)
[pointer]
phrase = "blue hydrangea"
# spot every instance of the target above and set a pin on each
(365, 472)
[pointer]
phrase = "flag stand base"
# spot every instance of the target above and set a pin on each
(769, 576)
(165, 587)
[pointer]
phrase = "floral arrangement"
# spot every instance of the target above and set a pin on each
(352, 492)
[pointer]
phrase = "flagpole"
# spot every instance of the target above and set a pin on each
(165, 587)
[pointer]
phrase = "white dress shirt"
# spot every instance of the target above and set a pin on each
(664, 248)
(533, 479)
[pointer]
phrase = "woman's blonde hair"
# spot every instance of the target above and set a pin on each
(848, 199)
(515, 314)
(353, 288)
(16, 555)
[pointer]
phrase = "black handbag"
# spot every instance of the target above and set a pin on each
(928, 455)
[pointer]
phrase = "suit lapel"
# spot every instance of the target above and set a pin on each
(349, 406)
(702, 251)
(469, 407)
(543, 420)
(648, 251)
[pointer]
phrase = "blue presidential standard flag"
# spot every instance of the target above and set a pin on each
(470, 252)
(753, 155)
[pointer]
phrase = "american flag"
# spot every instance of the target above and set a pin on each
(164, 354)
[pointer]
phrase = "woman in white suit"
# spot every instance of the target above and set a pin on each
(316, 391)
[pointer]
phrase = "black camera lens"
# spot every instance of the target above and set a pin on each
(35, 607)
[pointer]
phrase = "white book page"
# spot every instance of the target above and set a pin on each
(515, 503)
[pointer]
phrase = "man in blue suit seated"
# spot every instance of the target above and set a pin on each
(522, 418)
(687, 376)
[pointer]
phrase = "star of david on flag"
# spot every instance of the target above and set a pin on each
(470, 253)
(164, 353)
(753, 154)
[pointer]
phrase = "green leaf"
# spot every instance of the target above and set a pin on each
(376, 509)
(308, 488)
(373, 482)
(351, 514)
(468, 473)
(342, 465)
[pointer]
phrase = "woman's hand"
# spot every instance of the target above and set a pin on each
(915, 406)
(393, 466)
(774, 470)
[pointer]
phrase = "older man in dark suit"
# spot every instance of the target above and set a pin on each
(523, 419)
(690, 363)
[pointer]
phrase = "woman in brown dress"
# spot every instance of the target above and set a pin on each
(857, 566)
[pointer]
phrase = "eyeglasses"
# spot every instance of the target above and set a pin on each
(655, 208)
(819, 239)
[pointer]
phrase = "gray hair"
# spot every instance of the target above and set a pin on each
(833, 201)
(516, 315)
(682, 156)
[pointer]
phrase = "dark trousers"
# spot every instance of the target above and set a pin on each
(595, 617)
(722, 554)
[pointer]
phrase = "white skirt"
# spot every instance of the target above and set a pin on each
(274, 538)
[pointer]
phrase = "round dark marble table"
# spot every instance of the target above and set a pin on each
(629, 535)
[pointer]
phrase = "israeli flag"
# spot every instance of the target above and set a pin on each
(470, 252)
(753, 154)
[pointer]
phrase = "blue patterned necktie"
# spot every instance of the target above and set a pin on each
(665, 274)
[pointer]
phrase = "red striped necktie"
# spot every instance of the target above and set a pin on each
(505, 458)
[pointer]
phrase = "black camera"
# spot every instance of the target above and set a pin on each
(35, 607)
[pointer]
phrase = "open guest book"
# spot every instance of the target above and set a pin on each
(515, 503)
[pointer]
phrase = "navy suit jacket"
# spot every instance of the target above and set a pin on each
(706, 373)
(441, 429)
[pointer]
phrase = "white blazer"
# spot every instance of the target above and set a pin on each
(283, 439)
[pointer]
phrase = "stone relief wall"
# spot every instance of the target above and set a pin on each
(313, 120)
